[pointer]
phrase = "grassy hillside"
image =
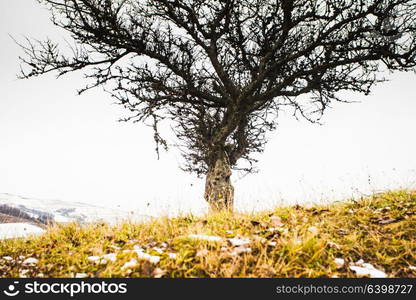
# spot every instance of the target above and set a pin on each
(324, 241)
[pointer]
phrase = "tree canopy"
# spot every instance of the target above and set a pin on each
(220, 70)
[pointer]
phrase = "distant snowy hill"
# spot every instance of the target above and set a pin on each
(45, 210)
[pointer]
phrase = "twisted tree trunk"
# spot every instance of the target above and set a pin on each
(219, 192)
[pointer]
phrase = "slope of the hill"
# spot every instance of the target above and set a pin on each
(50, 211)
(370, 237)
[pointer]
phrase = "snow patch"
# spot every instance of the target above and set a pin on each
(365, 269)
(18, 230)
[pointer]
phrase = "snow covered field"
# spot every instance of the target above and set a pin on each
(18, 230)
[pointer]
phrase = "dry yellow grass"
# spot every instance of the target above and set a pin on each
(287, 242)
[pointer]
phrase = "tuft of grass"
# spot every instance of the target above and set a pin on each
(291, 241)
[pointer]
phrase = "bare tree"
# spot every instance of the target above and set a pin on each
(219, 70)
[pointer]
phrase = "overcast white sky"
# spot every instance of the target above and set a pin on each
(54, 144)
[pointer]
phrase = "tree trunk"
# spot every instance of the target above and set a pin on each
(219, 192)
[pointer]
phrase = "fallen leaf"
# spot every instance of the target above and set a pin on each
(273, 235)
(318, 212)
(333, 245)
(385, 209)
(158, 273)
(152, 244)
(342, 232)
(267, 270)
